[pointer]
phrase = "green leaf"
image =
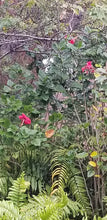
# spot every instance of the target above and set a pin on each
(39, 185)
(76, 85)
(60, 88)
(10, 83)
(6, 122)
(105, 121)
(36, 142)
(71, 46)
(104, 158)
(82, 155)
(86, 125)
(104, 168)
(55, 117)
(90, 173)
(79, 44)
(6, 89)
(28, 131)
(105, 54)
(45, 97)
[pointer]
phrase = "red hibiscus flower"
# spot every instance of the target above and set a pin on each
(24, 119)
(72, 41)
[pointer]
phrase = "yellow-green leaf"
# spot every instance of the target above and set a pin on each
(105, 109)
(97, 75)
(92, 163)
(97, 176)
(94, 108)
(31, 3)
(98, 65)
(94, 154)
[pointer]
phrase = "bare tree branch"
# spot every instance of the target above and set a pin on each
(11, 51)
(28, 36)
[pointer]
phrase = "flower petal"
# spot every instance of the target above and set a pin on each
(72, 41)
(25, 119)
(20, 117)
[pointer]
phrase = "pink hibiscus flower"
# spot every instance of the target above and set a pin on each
(88, 68)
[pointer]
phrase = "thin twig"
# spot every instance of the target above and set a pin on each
(86, 114)
(28, 36)
(77, 114)
(30, 51)
(14, 41)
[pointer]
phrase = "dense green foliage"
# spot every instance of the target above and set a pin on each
(39, 207)
(53, 123)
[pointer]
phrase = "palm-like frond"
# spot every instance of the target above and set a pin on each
(77, 187)
(60, 171)
(35, 163)
(67, 173)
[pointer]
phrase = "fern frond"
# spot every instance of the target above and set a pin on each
(3, 186)
(60, 169)
(56, 207)
(104, 218)
(65, 173)
(77, 187)
(61, 174)
(17, 191)
(99, 218)
(9, 210)
(5, 178)
(42, 208)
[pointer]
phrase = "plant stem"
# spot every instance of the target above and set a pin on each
(86, 114)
